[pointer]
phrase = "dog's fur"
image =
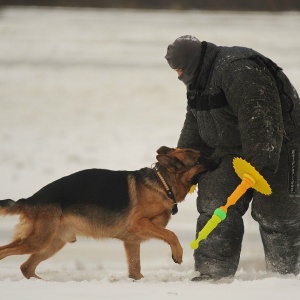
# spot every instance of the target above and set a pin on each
(128, 205)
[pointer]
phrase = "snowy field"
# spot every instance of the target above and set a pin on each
(82, 88)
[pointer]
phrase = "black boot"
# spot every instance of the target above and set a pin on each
(202, 277)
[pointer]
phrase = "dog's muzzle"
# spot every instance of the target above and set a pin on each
(210, 164)
(195, 179)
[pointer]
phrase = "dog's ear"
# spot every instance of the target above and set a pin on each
(164, 150)
(173, 164)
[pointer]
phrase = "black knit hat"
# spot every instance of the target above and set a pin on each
(184, 54)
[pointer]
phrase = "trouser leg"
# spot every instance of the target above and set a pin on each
(281, 251)
(278, 215)
(219, 254)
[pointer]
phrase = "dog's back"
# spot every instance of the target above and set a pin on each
(98, 188)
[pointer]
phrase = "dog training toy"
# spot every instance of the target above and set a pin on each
(250, 179)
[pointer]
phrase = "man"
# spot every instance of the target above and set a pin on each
(240, 103)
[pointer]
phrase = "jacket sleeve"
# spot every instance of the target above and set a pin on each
(189, 137)
(252, 94)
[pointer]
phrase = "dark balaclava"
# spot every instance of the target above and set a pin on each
(184, 54)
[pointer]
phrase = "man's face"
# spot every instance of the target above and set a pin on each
(179, 72)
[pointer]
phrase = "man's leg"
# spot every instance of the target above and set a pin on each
(218, 255)
(278, 215)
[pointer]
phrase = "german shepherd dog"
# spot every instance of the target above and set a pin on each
(131, 206)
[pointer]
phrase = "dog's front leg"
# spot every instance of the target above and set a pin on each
(133, 259)
(145, 229)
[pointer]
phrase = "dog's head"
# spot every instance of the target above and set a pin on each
(185, 161)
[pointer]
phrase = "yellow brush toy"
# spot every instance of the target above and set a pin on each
(250, 179)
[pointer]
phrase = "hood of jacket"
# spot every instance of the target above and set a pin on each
(185, 54)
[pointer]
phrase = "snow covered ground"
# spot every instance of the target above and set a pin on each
(83, 88)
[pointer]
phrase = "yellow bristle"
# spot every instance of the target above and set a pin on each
(192, 189)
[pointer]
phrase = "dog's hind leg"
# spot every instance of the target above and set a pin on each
(29, 266)
(6, 250)
(19, 244)
(34, 233)
(133, 259)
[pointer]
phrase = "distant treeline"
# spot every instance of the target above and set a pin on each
(246, 5)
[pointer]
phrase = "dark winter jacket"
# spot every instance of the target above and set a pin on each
(241, 104)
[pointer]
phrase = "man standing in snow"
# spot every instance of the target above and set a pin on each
(240, 103)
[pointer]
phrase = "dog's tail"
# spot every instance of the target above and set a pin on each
(10, 207)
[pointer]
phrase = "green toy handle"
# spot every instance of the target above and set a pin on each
(218, 216)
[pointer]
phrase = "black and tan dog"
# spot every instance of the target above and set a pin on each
(132, 206)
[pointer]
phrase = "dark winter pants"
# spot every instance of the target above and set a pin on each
(278, 216)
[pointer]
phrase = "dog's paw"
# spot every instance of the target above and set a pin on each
(136, 276)
(177, 253)
(177, 259)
